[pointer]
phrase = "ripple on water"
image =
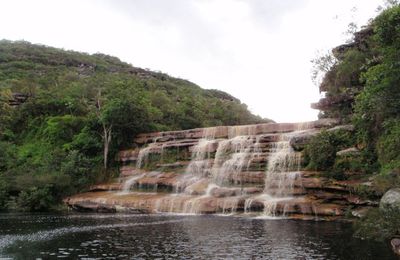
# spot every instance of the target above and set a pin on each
(184, 237)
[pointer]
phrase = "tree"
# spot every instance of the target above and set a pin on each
(5, 109)
(121, 116)
(321, 65)
(106, 125)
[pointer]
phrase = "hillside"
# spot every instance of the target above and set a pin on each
(361, 87)
(65, 114)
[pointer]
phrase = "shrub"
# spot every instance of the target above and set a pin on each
(7, 155)
(378, 226)
(35, 199)
(3, 194)
(79, 168)
(320, 153)
(385, 181)
(389, 145)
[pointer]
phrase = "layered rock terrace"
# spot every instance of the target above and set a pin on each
(254, 170)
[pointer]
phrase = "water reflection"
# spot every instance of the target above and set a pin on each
(183, 237)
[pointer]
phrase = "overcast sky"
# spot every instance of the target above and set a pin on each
(257, 50)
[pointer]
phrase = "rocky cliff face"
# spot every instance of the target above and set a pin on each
(254, 170)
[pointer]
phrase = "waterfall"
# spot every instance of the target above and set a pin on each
(249, 169)
(283, 167)
(282, 171)
(143, 156)
(130, 182)
(200, 163)
(232, 156)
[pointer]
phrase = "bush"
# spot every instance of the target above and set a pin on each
(365, 191)
(389, 145)
(385, 181)
(7, 155)
(79, 168)
(378, 226)
(349, 164)
(320, 153)
(35, 199)
(3, 194)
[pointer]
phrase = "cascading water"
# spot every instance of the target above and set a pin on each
(130, 182)
(283, 167)
(229, 170)
(220, 169)
(232, 157)
(200, 164)
(282, 171)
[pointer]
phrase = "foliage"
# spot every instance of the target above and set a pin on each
(3, 194)
(378, 226)
(322, 64)
(385, 181)
(52, 142)
(363, 87)
(320, 153)
(349, 164)
(389, 145)
(35, 199)
(5, 109)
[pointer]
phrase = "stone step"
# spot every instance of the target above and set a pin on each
(230, 131)
(153, 202)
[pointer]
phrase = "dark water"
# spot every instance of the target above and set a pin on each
(178, 237)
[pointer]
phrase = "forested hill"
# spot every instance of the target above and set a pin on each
(60, 109)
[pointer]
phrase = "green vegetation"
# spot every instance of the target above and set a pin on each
(361, 86)
(379, 226)
(320, 153)
(64, 115)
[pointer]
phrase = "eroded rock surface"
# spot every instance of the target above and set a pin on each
(254, 170)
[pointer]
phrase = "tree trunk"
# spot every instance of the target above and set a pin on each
(106, 142)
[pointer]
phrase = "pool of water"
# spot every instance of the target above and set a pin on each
(124, 236)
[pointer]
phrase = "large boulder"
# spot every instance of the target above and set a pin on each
(390, 202)
(299, 141)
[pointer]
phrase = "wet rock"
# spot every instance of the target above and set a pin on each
(327, 196)
(225, 192)
(255, 177)
(252, 190)
(128, 155)
(173, 165)
(89, 206)
(299, 142)
(360, 212)
(395, 243)
(349, 128)
(348, 152)
(390, 202)
(198, 188)
(328, 210)
(129, 171)
(158, 180)
(106, 187)
(356, 200)
(312, 183)
(230, 131)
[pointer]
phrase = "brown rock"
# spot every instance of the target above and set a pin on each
(106, 187)
(328, 210)
(395, 243)
(198, 188)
